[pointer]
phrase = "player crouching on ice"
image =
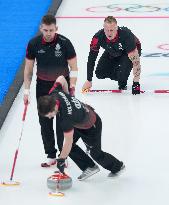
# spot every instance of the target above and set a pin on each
(78, 120)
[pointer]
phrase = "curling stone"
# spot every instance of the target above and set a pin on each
(59, 181)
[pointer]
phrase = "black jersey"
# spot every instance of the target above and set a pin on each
(124, 42)
(51, 57)
(73, 113)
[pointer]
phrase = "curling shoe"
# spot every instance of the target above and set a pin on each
(49, 163)
(88, 172)
(122, 169)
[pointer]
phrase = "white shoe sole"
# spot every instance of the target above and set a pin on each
(87, 176)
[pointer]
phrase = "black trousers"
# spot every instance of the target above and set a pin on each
(92, 138)
(47, 132)
(117, 69)
(46, 124)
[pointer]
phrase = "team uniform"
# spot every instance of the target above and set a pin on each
(51, 58)
(88, 126)
(114, 62)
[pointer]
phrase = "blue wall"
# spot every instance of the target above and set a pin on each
(19, 21)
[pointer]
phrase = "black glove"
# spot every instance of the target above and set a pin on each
(61, 165)
(136, 88)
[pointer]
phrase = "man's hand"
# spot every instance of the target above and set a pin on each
(61, 165)
(136, 88)
(26, 97)
(87, 85)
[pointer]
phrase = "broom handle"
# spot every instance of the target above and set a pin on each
(24, 113)
(16, 152)
(13, 166)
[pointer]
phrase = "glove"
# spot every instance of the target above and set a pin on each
(72, 91)
(61, 165)
(136, 88)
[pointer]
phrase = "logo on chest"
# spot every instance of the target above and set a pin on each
(58, 52)
(117, 46)
(41, 51)
(120, 46)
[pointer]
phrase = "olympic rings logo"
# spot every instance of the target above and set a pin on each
(164, 46)
(130, 8)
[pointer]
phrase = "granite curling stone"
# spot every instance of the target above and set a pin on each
(59, 181)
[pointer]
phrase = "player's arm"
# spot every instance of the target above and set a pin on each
(68, 141)
(94, 50)
(73, 71)
(62, 81)
(135, 59)
(28, 73)
(67, 146)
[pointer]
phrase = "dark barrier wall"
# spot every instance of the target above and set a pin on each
(9, 92)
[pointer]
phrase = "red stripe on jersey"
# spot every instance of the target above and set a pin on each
(132, 51)
(114, 39)
(71, 57)
(52, 42)
(68, 131)
(55, 85)
(58, 103)
(94, 43)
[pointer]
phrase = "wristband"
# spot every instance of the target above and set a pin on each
(26, 92)
(73, 74)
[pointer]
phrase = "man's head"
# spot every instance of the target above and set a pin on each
(48, 27)
(47, 106)
(110, 27)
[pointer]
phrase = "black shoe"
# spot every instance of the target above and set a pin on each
(123, 87)
(122, 169)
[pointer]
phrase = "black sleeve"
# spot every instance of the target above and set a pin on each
(129, 43)
(66, 125)
(30, 51)
(94, 50)
(70, 51)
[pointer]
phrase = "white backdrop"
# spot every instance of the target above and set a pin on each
(135, 128)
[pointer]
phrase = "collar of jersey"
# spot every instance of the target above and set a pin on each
(114, 39)
(52, 42)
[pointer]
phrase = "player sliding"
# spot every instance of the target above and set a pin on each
(78, 120)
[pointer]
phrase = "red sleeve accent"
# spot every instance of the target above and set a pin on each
(29, 55)
(68, 130)
(58, 103)
(132, 50)
(94, 43)
(72, 57)
(55, 85)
